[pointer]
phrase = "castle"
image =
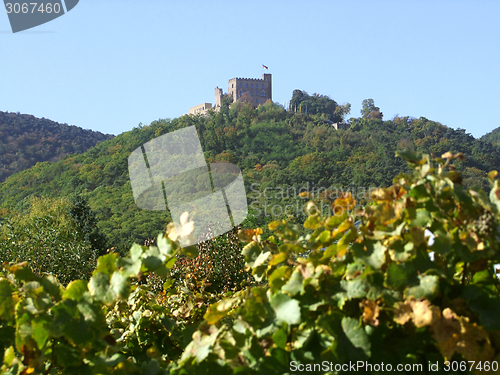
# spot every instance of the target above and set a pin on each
(257, 90)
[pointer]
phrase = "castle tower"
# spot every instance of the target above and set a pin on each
(258, 90)
(218, 98)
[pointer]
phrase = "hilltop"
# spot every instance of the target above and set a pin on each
(26, 140)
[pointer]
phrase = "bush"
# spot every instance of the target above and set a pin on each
(47, 236)
(218, 267)
(374, 295)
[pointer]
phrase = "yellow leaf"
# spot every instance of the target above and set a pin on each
(370, 312)
(423, 313)
(455, 334)
(403, 313)
(274, 225)
(278, 258)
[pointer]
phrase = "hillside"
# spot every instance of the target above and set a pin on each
(274, 148)
(26, 140)
(492, 137)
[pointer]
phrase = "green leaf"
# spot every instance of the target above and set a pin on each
(278, 258)
(428, 288)
(75, 290)
(287, 309)
(354, 331)
(280, 338)
(488, 311)
(251, 252)
(67, 355)
(162, 271)
(400, 275)
(213, 314)
(69, 322)
(23, 272)
(410, 156)
(119, 286)
(98, 285)
(190, 251)
(164, 245)
(276, 279)
(295, 283)
(40, 331)
(167, 284)
(355, 288)
(419, 192)
(135, 252)
(52, 286)
(261, 259)
(8, 301)
(152, 262)
(170, 263)
(106, 264)
(422, 218)
(372, 254)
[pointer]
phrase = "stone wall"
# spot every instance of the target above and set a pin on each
(259, 90)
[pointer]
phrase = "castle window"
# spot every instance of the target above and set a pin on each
(262, 85)
(251, 92)
(241, 93)
(232, 85)
(241, 84)
(251, 85)
(262, 93)
(247, 85)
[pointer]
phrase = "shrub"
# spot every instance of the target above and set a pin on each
(47, 236)
(218, 267)
(373, 295)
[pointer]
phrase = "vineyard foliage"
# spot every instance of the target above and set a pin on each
(335, 294)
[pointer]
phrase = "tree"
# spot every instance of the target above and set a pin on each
(369, 109)
(48, 236)
(318, 105)
(297, 97)
(86, 221)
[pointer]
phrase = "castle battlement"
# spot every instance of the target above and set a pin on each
(247, 79)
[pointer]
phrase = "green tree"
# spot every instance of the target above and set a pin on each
(369, 110)
(47, 236)
(86, 222)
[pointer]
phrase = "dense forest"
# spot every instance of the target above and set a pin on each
(26, 140)
(288, 290)
(278, 151)
(492, 137)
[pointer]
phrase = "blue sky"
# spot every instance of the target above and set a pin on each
(109, 65)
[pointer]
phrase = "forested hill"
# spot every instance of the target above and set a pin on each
(26, 140)
(492, 137)
(273, 147)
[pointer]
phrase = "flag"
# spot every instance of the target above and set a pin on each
(265, 67)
